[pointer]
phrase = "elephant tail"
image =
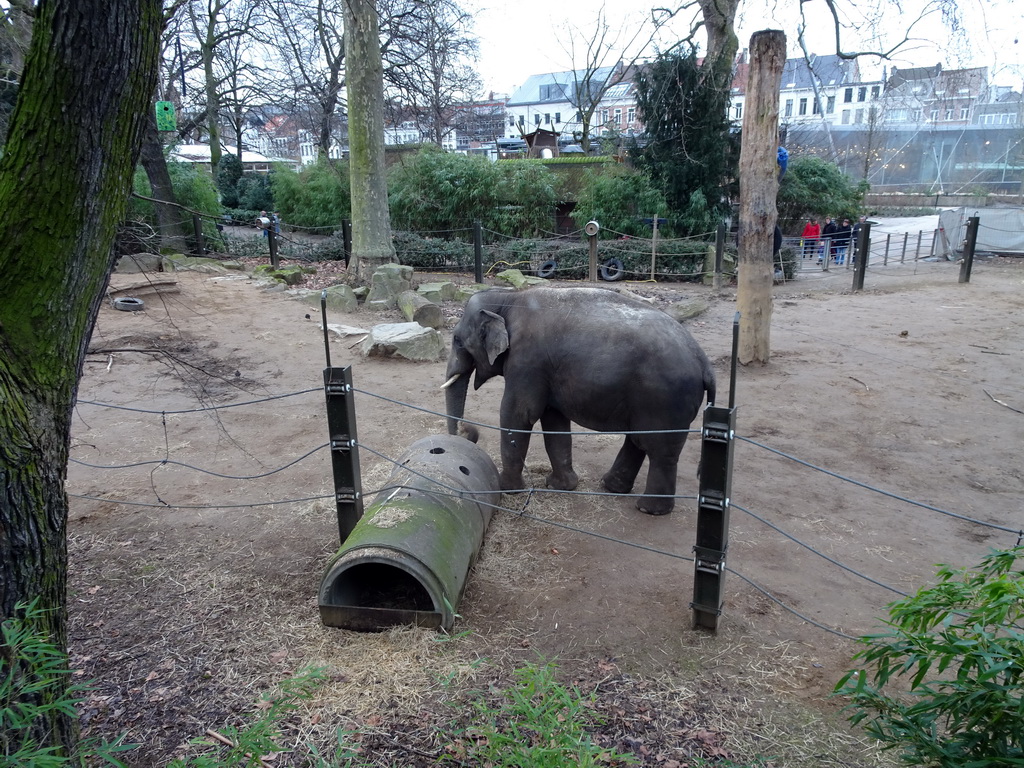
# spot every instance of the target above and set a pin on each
(709, 383)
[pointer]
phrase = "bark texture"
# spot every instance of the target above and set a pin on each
(170, 219)
(64, 183)
(759, 188)
(371, 220)
(720, 23)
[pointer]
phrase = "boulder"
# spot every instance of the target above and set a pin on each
(518, 280)
(684, 310)
(463, 292)
(387, 282)
(417, 308)
(181, 263)
(132, 263)
(437, 292)
(409, 340)
(340, 298)
(290, 275)
(361, 292)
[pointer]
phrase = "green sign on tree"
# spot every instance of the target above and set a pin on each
(165, 118)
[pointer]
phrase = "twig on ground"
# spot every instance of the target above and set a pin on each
(1000, 402)
(866, 387)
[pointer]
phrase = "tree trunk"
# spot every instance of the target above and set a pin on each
(371, 220)
(64, 182)
(169, 219)
(759, 187)
(720, 22)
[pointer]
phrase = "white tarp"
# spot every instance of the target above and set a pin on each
(1000, 230)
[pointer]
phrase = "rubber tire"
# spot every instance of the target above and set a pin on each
(613, 270)
(129, 304)
(547, 269)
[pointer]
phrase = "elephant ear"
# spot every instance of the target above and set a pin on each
(494, 334)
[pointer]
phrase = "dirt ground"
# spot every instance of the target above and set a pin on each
(193, 593)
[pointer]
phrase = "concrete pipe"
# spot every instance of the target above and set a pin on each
(407, 559)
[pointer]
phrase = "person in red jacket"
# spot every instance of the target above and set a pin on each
(810, 235)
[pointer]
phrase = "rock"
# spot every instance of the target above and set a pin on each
(290, 275)
(437, 292)
(387, 282)
(463, 292)
(361, 293)
(518, 280)
(409, 340)
(182, 263)
(345, 330)
(132, 263)
(340, 298)
(684, 310)
(417, 308)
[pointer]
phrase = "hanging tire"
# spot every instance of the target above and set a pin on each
(548, 268)
(613, 270)
(129, 304)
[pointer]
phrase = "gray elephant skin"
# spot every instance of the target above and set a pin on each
(605, 361)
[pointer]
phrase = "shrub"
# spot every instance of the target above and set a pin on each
(620, 201)
(812, 187)
(316, 197)
(961, 644)
(432, 253)
(255, 192)
(229, 171)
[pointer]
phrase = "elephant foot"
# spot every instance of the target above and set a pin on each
(565, 481)
(655, 506)
(614, 484)
(510, 482)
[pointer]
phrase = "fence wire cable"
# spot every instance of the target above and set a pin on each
(204, 408)
(200, 469)
(889, 494)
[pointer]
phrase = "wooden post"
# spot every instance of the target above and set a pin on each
(478, 251)
(969, 245)
(759, 187)
(719, 256)
(654, 244)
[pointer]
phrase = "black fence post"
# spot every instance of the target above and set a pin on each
(272, 240)
(716, 281)
(863, 256)
(478, 251)
(969, 244)
(346, 239)
(197, 228)
(341, 425)
(716, 459)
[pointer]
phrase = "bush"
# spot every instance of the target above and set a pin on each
(961, 643)
(255, 192)
(816, 187)
(229, 171)
(432, 253)
(317, 197)
(620, 201)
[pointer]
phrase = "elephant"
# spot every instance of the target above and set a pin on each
(592, 356)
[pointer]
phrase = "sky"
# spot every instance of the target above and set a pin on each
(526, 37)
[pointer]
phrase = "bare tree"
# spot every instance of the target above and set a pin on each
(600, 56)
(213, 24)
(64, 181)
(439, 75)
(309, 45)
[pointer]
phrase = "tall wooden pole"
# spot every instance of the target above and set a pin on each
(759, 187)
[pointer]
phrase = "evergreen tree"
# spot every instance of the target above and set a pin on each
(689, 150)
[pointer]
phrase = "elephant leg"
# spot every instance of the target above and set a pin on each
(559, 448)
(514, 446)
(620, 478)
(661, 483)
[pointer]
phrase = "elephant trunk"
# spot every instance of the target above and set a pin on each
(455, 402)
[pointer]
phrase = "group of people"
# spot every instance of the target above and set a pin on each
(833, 241)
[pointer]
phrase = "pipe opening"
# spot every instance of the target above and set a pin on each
(379, 585)
(437, 450)
(464, 470)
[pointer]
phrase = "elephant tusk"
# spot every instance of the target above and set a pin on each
(450, 381)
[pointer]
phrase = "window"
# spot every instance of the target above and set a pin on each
(803, 106)
(846, 117)
(875, 91)
(964, 113)
(618, 117)
(522, 120)
(511, 122)
(789, 107)
(604, 117)
(862, 93)
(631, 115)
(830, 105)
(536, 119)
(737, 111)
(916, 115)
(934, 116)
(558, 117)
(547, 118)
(816, 107)
(858, 116)
(848, 96)
(949, 114)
